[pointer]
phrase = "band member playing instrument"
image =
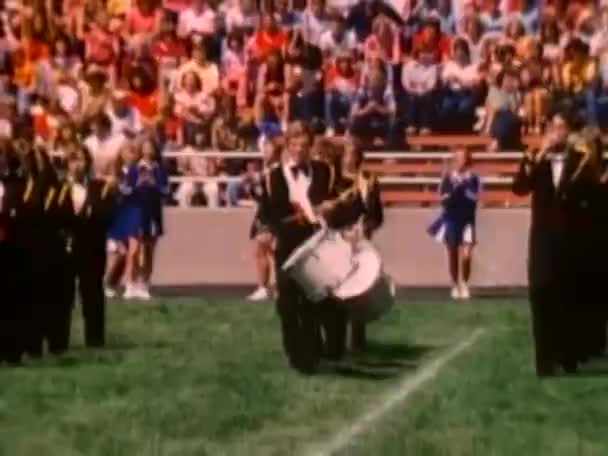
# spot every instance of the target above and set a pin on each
(455, 227)
(292, 188)
(259, 232)
(85, 205)
(564, 187)
(358, 211)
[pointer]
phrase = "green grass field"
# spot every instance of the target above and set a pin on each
(201, 377)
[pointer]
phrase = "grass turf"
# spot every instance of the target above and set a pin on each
(208, 377)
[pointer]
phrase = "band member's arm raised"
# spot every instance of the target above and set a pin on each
(523, 182)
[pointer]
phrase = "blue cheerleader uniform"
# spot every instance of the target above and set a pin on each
(152, 191)
(459, 195)
(128, 218)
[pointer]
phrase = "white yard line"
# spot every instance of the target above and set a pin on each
(408, 385)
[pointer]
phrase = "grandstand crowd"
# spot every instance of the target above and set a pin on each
(196, 75)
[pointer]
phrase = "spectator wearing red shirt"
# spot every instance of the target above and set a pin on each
(142, 21)
(431, 39)
(341, 84)
(269, 37)
(169, 51)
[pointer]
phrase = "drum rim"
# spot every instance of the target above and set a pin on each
(304, 248)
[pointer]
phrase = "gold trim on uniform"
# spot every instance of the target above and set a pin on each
(62, 193)
(29, 187)
(49, 198)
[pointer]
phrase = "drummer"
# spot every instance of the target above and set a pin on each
(358, 211)
(287, 185)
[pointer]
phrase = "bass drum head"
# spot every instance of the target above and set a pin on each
(373, 304)
(368, 268)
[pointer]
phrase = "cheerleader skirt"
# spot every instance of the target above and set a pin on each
(127, 223)
(453, 232)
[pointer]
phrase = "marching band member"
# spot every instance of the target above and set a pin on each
(358, 210)
(85, 204)
(562, 246)
(298, 178)
(44, 255)
(153, 187)
(459, 191)
(259, 232)
(12, 317)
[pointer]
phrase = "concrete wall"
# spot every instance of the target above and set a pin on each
(211, 247)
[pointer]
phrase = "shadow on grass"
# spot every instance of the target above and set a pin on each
(383, 361)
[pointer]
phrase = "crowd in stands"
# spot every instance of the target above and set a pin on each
(195, 75)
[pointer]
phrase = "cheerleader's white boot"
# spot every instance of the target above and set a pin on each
(260, 294)
(143, 292)
(130, 292)
(456, 293)
(465, 292)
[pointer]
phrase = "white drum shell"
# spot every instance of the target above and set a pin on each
(321, 264)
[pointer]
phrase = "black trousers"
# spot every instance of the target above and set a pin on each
(87, 270)
(300, 325)
(12, 318)
(554, 327)
(334, 322)
(358, 335)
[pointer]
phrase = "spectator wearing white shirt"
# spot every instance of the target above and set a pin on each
(461, 80)
(314, 22)
(125, 119)
(199, 18)
(494, 20)
(420, 78)
(339, 39)
(473, 33)
(104, 146)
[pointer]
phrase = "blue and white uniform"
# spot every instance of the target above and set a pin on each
(459, 195)
(128, 218)
(152, 188)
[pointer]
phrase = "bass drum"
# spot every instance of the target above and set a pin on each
(321, 264)
(367, 292)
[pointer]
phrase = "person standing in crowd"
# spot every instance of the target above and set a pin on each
(300, 324)
(562, 249)
(459, 191)
(259, 232)
(153, 187)
(126, 226)
(358, 211)
(84, 205)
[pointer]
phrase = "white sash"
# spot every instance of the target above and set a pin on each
(298, 191)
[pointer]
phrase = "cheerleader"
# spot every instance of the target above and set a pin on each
(124, 235)
(259, 232)
(152, 187)
(455, 227)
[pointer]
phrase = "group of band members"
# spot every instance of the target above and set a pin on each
(53, 230)
(348, 199)
(567, 245)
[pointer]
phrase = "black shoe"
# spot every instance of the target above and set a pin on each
(570, 367)
(546, 371)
